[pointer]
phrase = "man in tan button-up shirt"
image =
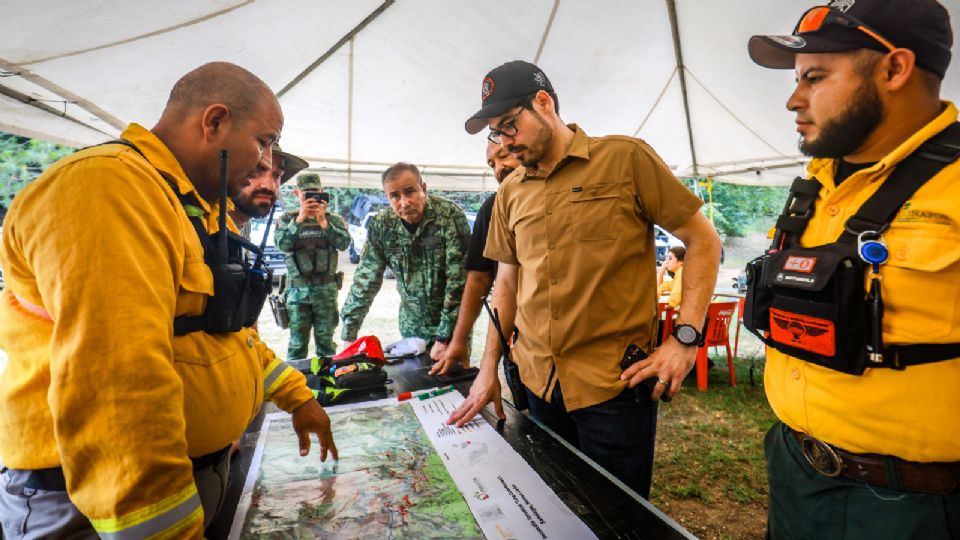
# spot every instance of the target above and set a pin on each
(573, 232)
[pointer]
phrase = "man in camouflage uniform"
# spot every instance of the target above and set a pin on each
(424, 242)
(309, 239)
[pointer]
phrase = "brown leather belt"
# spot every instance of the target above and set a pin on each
(938, 478)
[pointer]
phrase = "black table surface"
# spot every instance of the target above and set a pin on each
(609, 508)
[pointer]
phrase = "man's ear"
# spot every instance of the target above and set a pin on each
(898, 67)
(543, 102)
(423, 186)
(215, 121)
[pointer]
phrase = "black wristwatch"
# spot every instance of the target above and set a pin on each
(441, 339)
(686, 334)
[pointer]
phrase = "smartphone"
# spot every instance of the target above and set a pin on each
(319, 196)
(632, 355)
(461, 374)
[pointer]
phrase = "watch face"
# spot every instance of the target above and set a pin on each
(686, 335)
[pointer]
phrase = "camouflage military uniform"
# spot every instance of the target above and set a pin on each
(310, 253)
(429, 265)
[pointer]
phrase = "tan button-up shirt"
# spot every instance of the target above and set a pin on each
(583, 237)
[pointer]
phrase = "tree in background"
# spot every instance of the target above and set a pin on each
(22, 160)
(738, 210)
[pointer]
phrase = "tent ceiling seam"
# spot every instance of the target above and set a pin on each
(734, 116)
(85, 104)
(657, 102)
(546, 31)
(43, 106)
(40, 104)
(141, 36)
(347, 37)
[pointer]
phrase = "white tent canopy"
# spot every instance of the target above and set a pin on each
(365, 83)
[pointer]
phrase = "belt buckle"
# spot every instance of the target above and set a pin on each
(821, 456)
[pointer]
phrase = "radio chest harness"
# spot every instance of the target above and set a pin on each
(809, 302)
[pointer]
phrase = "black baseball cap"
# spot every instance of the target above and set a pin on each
(923, 26)
(504, 88)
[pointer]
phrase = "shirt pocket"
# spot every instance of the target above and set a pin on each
(595, 212)
(196, 285)
(921, 285)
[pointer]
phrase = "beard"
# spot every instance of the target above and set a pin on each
(843, 135)
(252, 209)
(504, 173)
(531, 155)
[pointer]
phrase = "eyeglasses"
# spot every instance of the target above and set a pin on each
(816, 18)
(507, 128)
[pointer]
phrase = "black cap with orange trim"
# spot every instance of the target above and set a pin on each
(923, 26)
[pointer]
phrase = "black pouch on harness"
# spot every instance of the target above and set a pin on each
(239, 290)
(810, 303)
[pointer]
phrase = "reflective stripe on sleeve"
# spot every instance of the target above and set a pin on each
(276, 372)
(164, 519)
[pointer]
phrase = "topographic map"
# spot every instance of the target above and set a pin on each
(389, 483)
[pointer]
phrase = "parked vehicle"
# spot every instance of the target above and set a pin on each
(664, 241)
(362, 210)
(272, 256)
(358, 237)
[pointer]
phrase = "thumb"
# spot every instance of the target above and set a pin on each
(303, 436)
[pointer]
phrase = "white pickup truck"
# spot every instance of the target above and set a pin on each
(358, 237)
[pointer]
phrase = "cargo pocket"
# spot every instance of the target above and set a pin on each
(921, 282)
(595, 212)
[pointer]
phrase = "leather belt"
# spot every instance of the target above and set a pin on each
(938, 478)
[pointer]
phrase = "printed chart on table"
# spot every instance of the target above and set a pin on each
(402, 473)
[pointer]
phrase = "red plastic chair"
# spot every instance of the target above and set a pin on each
(665, 314)
(717, 333)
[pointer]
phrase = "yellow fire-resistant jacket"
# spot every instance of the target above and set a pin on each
(102, 387)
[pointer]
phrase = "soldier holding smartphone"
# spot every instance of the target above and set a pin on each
(310, 238)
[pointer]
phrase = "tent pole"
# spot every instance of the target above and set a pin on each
(350, 118)
(546, 31)
(681, 72)
(710, 194)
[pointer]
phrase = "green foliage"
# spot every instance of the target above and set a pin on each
(22, 160)
(738, 210)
